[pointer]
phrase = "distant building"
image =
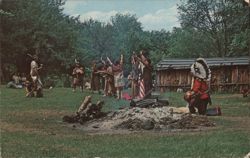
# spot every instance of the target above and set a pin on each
(228, 74)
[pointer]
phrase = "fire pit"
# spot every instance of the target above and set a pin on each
(138, 118)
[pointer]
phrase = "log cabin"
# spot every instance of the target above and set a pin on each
(228, 74)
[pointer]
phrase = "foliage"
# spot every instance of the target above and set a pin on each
(240, 44)
(220, 21)
(208, 29)
(38, 27)
(188, 43)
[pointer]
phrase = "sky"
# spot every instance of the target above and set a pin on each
(153, 14)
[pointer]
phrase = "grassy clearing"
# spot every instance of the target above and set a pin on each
(32, 127)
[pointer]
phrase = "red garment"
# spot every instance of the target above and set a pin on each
(126, 96)
(200, 87)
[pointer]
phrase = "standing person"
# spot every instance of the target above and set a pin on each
(95, 78)
(118, 76)
(198, 97)
(110, 80)
(134, 76)
(107, 74)
(34, 73)
(145, 75)
(103, 74)
(78, 74)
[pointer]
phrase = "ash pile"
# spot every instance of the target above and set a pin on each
(137, 118)
(159, 118)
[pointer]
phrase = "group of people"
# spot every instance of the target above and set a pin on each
(32, 82)
(17, 81)
(108, 75)
(111, 76)
(141, 76)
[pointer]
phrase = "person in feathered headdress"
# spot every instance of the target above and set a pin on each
(107, 73)
(199, 96)
(134, 76)
(95, 77)
(145, 75)
(117, 69)
(34, 74)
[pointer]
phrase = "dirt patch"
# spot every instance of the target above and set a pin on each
(18, 127)
(242, 122)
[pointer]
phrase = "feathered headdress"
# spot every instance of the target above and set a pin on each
(33, 56)
(76, 61)
(201, 70)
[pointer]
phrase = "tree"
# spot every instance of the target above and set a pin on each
(158, 45)
(218, 20)
(99, 40)
(127, 36)
(127, 32)
(189, 43)
(38, 27)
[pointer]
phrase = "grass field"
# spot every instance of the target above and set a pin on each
(32, 127)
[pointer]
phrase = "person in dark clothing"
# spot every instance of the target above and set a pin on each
(78, 74)
(95, 78)
(145, 75)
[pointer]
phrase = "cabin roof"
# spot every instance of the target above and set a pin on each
(167, 64)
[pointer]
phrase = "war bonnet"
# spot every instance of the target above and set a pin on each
(200, 69)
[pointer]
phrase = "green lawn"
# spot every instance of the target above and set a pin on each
(32, 127)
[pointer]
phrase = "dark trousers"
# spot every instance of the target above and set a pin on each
(200, 104)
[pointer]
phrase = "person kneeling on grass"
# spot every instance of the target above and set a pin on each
(198, 97)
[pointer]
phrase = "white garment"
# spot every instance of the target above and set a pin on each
(34, 72)
(119, 81)
(33, 68)
(141, 67)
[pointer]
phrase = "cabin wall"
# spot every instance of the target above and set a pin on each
(224, 79)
